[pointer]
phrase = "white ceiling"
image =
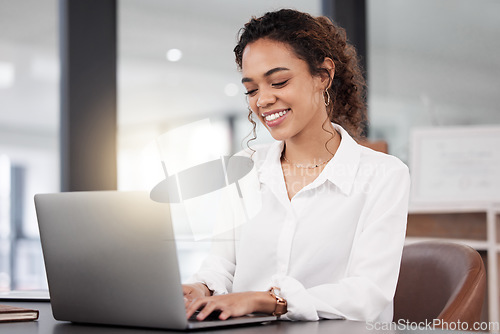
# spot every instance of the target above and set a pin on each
(151, 88)
(447, 49)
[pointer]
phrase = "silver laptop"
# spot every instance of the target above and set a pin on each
(111, 259)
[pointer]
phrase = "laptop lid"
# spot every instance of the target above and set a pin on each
(110, 258)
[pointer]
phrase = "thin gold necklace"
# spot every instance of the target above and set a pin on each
(308, 167)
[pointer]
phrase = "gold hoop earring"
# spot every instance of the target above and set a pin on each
(327, 100)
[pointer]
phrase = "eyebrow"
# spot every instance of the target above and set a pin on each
(268, 73)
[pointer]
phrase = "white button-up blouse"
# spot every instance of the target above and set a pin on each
(334, 249)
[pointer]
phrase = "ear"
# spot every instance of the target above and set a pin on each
(328, 65)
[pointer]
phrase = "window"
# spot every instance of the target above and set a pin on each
(29, 126)
(431, 63)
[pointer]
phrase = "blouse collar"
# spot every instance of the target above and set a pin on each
(341, 169)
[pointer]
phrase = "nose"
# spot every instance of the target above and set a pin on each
(266, 98)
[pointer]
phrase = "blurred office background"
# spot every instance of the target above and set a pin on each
(430, 63)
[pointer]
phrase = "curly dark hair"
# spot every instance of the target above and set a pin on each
(313, 39)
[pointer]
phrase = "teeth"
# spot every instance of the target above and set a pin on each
(272, 117)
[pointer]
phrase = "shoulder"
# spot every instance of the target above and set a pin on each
(366, 157)
(374, 158)
(383, 168)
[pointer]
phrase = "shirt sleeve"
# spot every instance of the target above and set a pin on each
(216, 273)
(373, 270)
(217, 270)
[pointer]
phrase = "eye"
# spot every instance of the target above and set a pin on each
(251, 92)
(279, 84)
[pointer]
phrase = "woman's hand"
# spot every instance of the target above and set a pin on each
(194, 291)
(232, 305)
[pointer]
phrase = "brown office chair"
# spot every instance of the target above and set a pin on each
(376, 145)
(440, 280)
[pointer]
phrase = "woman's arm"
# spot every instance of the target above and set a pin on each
(217, 270)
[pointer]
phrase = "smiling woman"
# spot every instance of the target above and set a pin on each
(327, 242)
(316, 42)
(276, 79)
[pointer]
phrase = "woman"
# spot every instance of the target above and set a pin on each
(329, 237)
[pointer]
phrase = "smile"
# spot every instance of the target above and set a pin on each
(272, 117)
(275, 117)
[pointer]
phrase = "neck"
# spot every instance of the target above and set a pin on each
(313, 147)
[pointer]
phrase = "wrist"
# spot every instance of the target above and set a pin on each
(204, 288)
(281, 304)
(264, 302)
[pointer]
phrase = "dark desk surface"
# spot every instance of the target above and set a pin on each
(47, 325)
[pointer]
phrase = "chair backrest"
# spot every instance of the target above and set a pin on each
(376, 145)
(440, 280)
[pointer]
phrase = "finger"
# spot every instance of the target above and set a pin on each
(188, 299)
(194, 306)
(225, 315)
(205, 312)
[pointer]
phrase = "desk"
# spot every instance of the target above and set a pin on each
(47, 325)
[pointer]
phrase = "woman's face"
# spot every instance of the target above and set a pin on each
(281, 91)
